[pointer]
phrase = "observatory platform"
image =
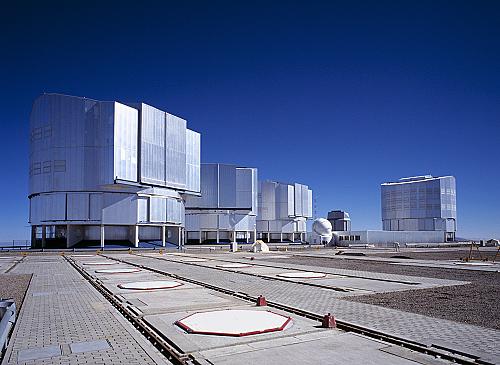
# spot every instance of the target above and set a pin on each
(207, 310)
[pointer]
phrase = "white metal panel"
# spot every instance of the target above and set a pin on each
(291, 200)
(175, 144)
(298, 199)
(309, 211)
(208, 221)
(95, 207)
(244, 188)
(53, 207)
(142, 209)
(152, 145)
(267, 200)
(119, 208)
(78, 206)
(125, 142)
(305, 200)
(158, 209)
(193, 160)
(175, 211)
(227, 186)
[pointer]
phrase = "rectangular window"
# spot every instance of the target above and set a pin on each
(352, 238)
(37, 168)
(36, 134)
(358, 238)
(60, 166)
(47, 167)
(47, 131)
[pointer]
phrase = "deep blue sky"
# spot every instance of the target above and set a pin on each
(338, 95)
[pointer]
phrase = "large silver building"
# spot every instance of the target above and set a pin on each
(227, 207)
(421, 203)
(283, 210)
(108, 170)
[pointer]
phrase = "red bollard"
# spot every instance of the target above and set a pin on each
(261, 301)
(328, 321)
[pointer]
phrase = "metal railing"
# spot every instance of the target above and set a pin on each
(8, 318)
(15, 245)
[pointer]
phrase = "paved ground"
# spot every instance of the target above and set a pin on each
(65, 320)
(476, 303)
(301, 342)
(317, 300)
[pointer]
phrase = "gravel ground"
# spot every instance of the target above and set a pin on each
(14, 286)
(441, 255)
(477, 303)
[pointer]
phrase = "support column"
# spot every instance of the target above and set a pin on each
(163, 238)
(281, 236)
(102, 236)
(201, 241)
(293, 237)
(217, 236)
(179, 237)
(33, 236)
(68, 236)
(135, 235)
(268, 237)
(44, 235)
(254, 235)
(248, 236)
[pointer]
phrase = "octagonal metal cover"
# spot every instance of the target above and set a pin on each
(118, 271)
(150, 285)
(302, 275)
(234, 266)
(234, 322)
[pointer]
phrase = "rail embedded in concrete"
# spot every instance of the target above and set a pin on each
(8, 318)
(438, 352)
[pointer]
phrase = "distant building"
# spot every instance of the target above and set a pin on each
(227, 207)
(104, 170)
(421, 203)
(283, 210)
(340, 220)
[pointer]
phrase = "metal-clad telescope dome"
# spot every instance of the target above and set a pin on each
(322, 227)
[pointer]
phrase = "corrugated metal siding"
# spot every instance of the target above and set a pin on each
(193, 160)
(152, 145)
(305, 200)
(119, 208)
(142, 209)
(175, 211)
(95, 207)
(125, 142)
(291, 200)
(227, 186)
(309, 212)
(298, 199)
(175, 151)
(244, 188)
(78, 206)
(158, 209)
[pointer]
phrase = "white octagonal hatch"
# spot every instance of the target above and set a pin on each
(302, 275)
(234, 322)
(233, 266)
(192, 259)
(150, 285)
(99, 263)
(118, 271)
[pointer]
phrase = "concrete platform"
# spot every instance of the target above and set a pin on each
(150, 285)
(234, 322)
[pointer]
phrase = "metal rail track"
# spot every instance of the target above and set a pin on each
(319, 270)
(436, 351)
(169, 349)
(335, 288)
